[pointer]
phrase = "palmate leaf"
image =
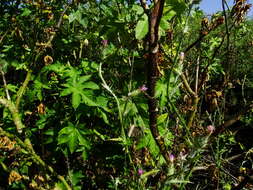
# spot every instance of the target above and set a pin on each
(80, 89)
(73, 138)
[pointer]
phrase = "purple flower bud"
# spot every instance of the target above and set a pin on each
(143, 88)
(172, 157)
(104, 42)
(210, 129)
(140, 171)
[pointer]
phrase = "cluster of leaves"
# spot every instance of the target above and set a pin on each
(74, 110)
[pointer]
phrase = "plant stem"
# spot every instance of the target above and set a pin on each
(22, 89)
(14, 112)
(152, 75)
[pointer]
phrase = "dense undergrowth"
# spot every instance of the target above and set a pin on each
(118, 94)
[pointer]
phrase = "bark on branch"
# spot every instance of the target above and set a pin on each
(153, 37)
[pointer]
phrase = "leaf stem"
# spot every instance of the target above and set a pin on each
(105, 85)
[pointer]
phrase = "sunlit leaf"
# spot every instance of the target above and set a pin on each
(141, 29)
(26, 12)
(76, 100)
(164, 24)
(90, 85)
(84, 78)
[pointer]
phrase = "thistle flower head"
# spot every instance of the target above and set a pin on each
(172, 157)
(143, 88)
(104, 42)
(140, 171)
(210, 129)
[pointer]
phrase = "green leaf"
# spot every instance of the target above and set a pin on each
(164, 24)
(72, 143)
(63, 139)
(142, 143)
(90, 85)
(75, 16)
(178, 6)
(26, 12)
(66, 92)
(102, 101)
(168, 13)
(4, 64)
(7, 48)
(161, 119)
(103, 115)
(85, 78)
(88, 101)
(68, 135)
(76, 100)
(12, 88)
(152, 172)
(77, 86)
(140, 121)
(67, 130)
(58, 67)
(84, 155)
(49, 132)
(76, 177)
(138, 9)
(141, 29)
(83, 141)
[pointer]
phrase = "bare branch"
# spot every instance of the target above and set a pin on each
(152, 74)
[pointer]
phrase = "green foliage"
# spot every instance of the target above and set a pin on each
(73, 79)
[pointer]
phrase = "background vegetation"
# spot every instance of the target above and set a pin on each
(119, 94)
